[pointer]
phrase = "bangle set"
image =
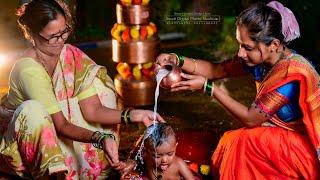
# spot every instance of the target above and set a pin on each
(180, 59)
(208, 87)
(125, 116)
(98, 137)
(205, 85)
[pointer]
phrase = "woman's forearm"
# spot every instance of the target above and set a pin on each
(232, 67)
(93, 111)
(76, 133)
(234, 107)
(204, 68)
(106, 116)
(250, 117)
(69, 130)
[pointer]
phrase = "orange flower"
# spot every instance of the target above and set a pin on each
(136, 2)
(126, 35)
(153, 26)
(124, 70)
(143, 33)
(150, 31)
(194, 167)
(126, 2)
(145, 2)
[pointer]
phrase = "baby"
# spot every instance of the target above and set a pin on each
(160, 161)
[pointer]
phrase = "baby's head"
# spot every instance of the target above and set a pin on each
(160, 146)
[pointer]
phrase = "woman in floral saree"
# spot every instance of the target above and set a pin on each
(59, 116)
(281, 137)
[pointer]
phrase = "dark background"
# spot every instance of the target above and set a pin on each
(96, 19)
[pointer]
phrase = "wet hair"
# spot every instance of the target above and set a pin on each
(34, 16)
(160, 133)
(155, 136)
(262, 22)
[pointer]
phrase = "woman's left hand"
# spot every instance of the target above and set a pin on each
(191, 82)
(144, 116)
(110, 149)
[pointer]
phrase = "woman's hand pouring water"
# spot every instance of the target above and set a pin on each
(164, 59)
(190, 82)
(144, 116)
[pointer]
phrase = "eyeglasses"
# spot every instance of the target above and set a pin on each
(55, 39)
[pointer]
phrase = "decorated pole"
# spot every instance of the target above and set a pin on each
(135, 46)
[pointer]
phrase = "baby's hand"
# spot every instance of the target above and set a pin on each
(121, 165)
(126, 167)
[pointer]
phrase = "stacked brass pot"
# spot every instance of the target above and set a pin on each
(135, 46)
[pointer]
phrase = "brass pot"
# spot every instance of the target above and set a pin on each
(133, 15)
(135, 92)
(135, 52)
(172, 77)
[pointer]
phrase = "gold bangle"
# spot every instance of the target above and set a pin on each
(205, 85)
(124, 116)
(195, 66)
(212, 88)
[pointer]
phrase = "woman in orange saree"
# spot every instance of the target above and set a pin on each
(281, 137)
(281, 147)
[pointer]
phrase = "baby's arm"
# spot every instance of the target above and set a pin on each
(184, 170)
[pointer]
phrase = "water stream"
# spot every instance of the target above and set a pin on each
(160, 75)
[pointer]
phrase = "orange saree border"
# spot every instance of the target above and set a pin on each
(271, 102)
